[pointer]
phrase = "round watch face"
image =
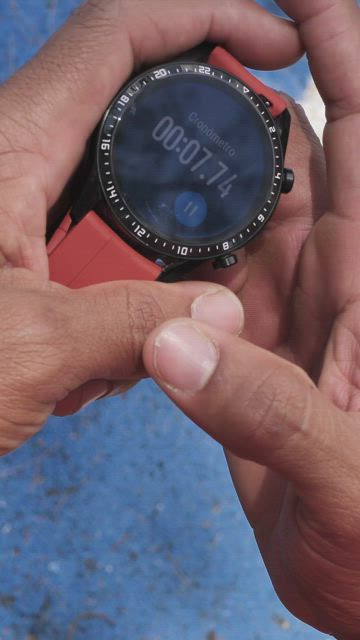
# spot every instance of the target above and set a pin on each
(190, 161)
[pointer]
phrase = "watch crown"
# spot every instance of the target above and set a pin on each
(224, 262)
(288, 181)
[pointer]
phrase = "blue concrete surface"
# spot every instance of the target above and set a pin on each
(121, 523)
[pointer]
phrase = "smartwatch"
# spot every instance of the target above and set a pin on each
(186, 165)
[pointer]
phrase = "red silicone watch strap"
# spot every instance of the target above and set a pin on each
(90, 253)
(219, 57)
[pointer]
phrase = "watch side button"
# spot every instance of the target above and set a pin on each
(288, 181)
(224, 262)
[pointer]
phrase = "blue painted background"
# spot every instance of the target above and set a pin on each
(121, 523)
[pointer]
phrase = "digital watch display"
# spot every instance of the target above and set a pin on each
(190, 163)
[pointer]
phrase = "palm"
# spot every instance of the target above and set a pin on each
(300, 292)
(24, 203)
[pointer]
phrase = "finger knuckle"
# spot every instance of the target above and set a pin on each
(98, 17)
(138, 312)
(279, 406)
(143, 313)
(32, 345)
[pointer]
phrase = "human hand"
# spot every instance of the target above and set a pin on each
(51, 106)
(56, 340)
(57, 343)
(284, 399)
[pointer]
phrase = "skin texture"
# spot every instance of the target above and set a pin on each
(284, 398)
(44, 126)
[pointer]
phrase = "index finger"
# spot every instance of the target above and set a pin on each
(330, 30)
(57, 99)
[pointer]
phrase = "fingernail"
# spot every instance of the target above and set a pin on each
(221, 309)
(184, 357)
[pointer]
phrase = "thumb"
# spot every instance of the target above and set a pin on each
(257, 405)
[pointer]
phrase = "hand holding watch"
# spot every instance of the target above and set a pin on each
(187, 165)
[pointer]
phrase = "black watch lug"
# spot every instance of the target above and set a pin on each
(89, 198)
(82, 192)
(177, 270)
(89, 193)
(224, 262)
(283, 122)
(201, 53)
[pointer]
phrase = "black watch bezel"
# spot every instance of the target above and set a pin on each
(125, 220)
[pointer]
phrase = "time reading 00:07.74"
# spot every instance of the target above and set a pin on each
(171, 136)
